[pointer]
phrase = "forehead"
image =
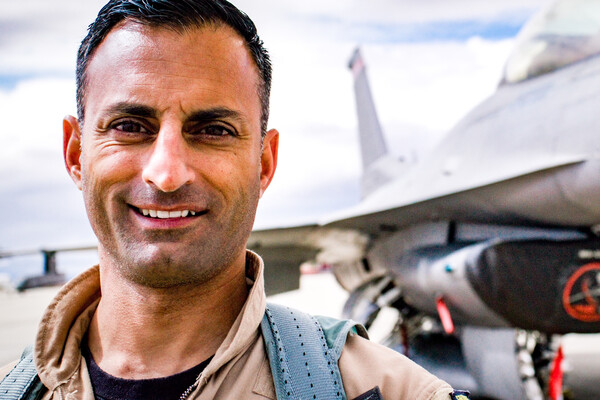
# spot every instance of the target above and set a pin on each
(209, 64)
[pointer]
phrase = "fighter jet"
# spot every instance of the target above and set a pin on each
(487, 248)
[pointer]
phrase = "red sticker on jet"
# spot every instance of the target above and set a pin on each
(581, 296)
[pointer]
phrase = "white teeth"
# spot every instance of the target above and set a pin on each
(162, 214)
(166, 214)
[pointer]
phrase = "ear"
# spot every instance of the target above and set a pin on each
(72, 148)
(268, 159)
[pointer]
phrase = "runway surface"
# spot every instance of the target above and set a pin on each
(20, 314)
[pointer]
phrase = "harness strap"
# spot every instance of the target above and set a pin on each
(303, 357)
(22, 382)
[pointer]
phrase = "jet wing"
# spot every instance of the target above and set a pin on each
(536, 198)
(285, 249)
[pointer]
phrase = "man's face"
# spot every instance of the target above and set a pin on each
(171, 166)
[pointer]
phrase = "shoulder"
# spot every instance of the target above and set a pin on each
(365, 365)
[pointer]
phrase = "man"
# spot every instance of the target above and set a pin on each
(172, 153)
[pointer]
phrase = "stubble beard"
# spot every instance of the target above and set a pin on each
(151, 263)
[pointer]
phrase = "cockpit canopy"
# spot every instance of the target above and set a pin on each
(565, 32)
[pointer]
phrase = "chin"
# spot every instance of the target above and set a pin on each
(163, 270)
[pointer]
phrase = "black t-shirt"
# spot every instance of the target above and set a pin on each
(108, 387)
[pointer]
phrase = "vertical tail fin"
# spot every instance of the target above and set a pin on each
(372, 142)
(378, 166)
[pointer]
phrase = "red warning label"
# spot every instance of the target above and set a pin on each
(581, 296)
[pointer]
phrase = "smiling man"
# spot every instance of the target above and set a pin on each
(172, 153)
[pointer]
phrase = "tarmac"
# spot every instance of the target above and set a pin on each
(20, 314)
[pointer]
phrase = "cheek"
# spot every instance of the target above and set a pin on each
(235, 169)
(112, 161)
(101, 172)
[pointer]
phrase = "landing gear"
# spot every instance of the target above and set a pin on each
(492, 363)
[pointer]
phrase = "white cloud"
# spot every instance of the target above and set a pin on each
(38, 35)
(390, 10)
(32, 128)
(39, 206)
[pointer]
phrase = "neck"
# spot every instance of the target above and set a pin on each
(142, 333)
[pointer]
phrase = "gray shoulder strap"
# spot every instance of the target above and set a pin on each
(22, 382)
(303, 356)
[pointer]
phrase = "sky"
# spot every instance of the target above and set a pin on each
(429, 62)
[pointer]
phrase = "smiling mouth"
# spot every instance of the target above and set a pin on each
(160, 214)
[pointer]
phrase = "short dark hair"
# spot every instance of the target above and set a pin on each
(177, 15)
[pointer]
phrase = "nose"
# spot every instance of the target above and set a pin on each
(168, 166)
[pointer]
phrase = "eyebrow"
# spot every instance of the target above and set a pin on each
(144, 111)
(212, 114)
(138, 110)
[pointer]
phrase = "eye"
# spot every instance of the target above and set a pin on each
(128, 126)
(213, 131)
